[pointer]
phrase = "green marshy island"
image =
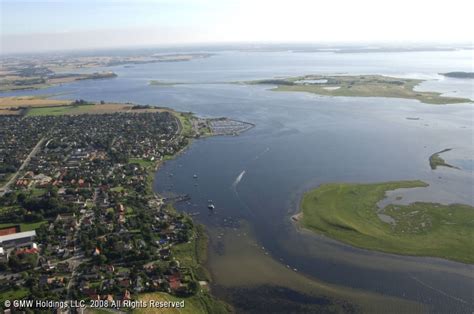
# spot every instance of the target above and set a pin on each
(349, 213)
(359, 86)
(436, 160)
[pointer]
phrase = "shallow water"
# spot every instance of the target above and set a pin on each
(303, 140)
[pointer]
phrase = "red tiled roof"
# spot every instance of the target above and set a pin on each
(27, 251)
(9, 230)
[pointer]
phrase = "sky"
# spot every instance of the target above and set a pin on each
(44, 25)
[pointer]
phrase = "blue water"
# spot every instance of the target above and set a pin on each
(302, 140)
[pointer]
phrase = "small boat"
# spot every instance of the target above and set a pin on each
(211, 206)
(195, 176)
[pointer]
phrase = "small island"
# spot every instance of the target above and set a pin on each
(163, 83)
(349, 213)
(359, 86)
(436, 160)
(462, 75)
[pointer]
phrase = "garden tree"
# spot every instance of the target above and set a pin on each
(8, 199)
(184, 236)
(19, 262)
(165, 285)
(173, 264)
(30, 281)
(21, 198)
(99, 259)
(33, 217)
(110, 215)
(7, 168)
(42, 234)
(53, 191)
(193, 287)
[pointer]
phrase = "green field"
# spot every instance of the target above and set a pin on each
(25, 226)
(360, 86)
(185, 120)
(348, 212)
(59, 110)
(193, 254)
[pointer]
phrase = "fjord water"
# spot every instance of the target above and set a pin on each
(302, 140)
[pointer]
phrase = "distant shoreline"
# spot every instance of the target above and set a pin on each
(460, 75)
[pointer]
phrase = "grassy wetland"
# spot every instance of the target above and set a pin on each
(349, 213)
(360, 86)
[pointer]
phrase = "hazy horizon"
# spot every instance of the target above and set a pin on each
(55, 25)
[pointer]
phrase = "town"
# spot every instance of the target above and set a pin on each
(78, 218)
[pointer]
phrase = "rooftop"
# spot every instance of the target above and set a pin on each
(19, 235)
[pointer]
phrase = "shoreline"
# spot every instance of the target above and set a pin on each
(201, 229)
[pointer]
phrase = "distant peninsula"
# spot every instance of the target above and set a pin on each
(359, 86)
(464, 75)
(29, 73)
(34, 80)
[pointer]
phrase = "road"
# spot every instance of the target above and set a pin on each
(25, 163)
(78, 257)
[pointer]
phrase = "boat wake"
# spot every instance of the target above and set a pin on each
(437, 290)
(262, 153)
(238, 179)
(236, 192)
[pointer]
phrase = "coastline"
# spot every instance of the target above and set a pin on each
(202, 234)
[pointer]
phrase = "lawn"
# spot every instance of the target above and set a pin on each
(117, 189)
(348, 212)
(13, 294)
(25, 226)
(37, 192)
(185, 120)
(142, 162)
